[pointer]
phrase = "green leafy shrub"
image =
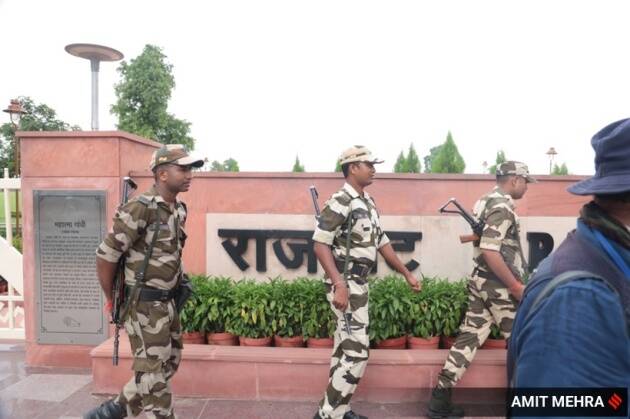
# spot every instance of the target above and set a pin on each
(454, 298)
(389, 308)
(288, 307)
(319, 319)
(425, 312)
(215, 300)
(251, 313)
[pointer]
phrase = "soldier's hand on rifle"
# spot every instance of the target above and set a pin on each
(517, 291)
(413, 282)
(340, 298)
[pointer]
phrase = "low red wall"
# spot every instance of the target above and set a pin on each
(247, 373)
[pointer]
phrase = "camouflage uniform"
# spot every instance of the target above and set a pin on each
(489, 301)
(152, 326)
(350, 353)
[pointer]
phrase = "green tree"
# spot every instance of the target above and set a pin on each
(499, 159)
(143, 93)
(401, 164)
(560, 170)
(448, 159)
(428, 159)
(409, 163)
(412, 161)
(229, 165)
(297, 167)
(39, 117)
(338, 167)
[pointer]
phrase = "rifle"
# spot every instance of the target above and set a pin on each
(118, 291)
(347, 317)
(476, 225)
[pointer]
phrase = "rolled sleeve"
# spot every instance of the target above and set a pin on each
(128, 222)
(330, 221)
(382, 240)
(498, 222)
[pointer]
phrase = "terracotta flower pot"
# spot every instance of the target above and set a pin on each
(254, 341)
(447, 341)
(196, 338)
(222, 339)
(494, 344)
(320, 342)
(287, 342)
(423, 343)
(393, 343)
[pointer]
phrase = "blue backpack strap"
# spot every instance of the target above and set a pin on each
(564, 278)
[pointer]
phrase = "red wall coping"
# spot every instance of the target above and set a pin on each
(86, 134)
(385, 175)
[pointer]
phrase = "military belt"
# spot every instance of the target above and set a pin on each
(359, 269)
(154, 294)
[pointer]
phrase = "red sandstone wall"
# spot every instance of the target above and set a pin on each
(395, 194)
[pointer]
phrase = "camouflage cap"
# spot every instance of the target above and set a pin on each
(515, 168)
(356, 154)
(174, 154)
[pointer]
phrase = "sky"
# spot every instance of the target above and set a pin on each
(264, 81)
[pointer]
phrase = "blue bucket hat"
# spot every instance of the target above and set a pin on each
(612, 162)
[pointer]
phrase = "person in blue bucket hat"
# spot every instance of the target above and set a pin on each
(573, 325)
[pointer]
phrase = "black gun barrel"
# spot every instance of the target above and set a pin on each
(314, 196)
(465, 213)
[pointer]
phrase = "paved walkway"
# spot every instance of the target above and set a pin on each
(44, 393)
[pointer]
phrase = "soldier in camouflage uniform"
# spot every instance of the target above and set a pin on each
(151, 320)
(351, 207)
(496, 285)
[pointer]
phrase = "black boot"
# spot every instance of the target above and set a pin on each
(440, 405)
(351, 415)
(108, 410)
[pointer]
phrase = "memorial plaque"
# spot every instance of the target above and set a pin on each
(69, 226)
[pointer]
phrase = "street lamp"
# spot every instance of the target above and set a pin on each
(96, 54)
(15, 112)
(552, 154)
(485, 167)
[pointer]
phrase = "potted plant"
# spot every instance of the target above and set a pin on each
(424, 317)
(389, 306)
(250, 314)
(191, 316)
(454, 302)
(287, 309)
(215, 300)
(495, 340)
(319, 323)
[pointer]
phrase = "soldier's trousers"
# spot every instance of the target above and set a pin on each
(154, 333)
(489, 302)
(350, 352)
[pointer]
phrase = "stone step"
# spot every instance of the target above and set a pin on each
(299, 374)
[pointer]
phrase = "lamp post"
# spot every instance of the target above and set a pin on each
(96, 54)
(485, 167)
(552, 154)
(15, 112)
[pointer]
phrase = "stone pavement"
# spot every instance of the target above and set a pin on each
(56, 393)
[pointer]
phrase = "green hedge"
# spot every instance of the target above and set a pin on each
(300, 307)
